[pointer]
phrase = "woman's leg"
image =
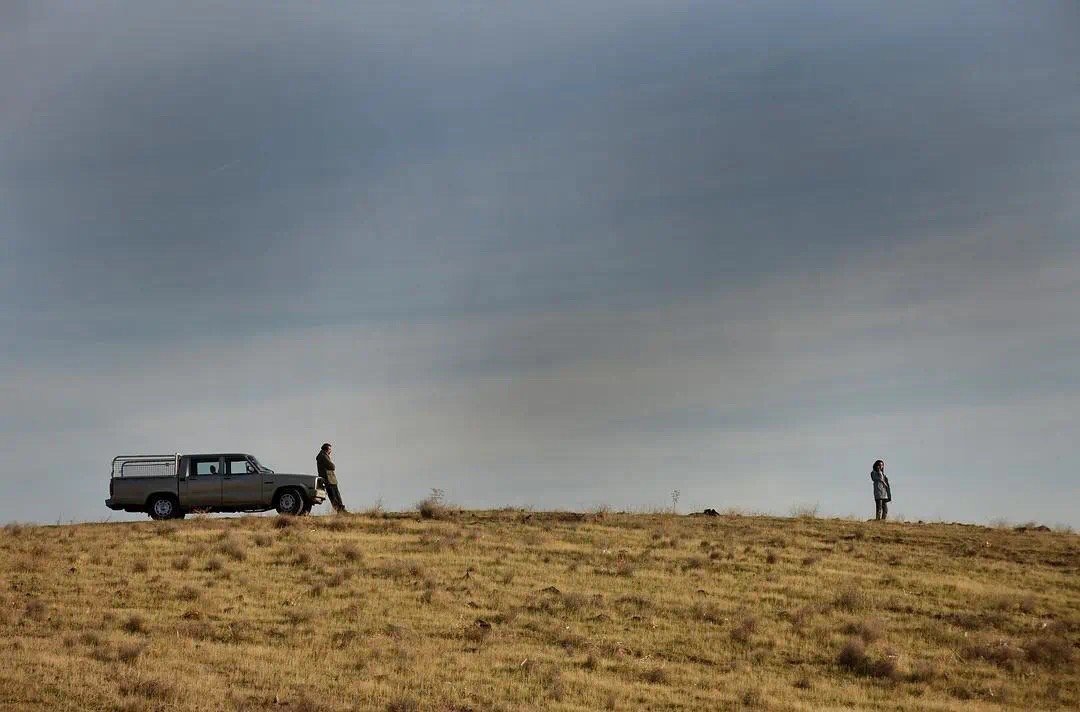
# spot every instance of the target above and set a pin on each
(878, 504)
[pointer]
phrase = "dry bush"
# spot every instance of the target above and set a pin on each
(753, 698)
(853, 656)
(182, 564)
(36, 609)
(771, 557)
(805, 511)
(744, 629)
(188, 593)
(656, 675)
(129, 652)
(810, 560)
(923, 672)
(232, 548)
(402, 704)
(850, 599)
(262, 540)
(999, 652)
(214, 564)
(432, 508)
(707, 612)
(148, 689)
(1049, 651)
(866, 630)
(139, 567)
(350, 553)
(284, 521)
(135, 624)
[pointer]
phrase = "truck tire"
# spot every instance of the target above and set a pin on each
(290, 501)
(162, 506)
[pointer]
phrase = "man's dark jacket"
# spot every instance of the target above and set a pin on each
(326, 468)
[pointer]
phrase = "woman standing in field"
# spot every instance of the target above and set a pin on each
(882, 491)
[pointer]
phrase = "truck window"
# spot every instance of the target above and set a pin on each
(204, 466)
(239, 466)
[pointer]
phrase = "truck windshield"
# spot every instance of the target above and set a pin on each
(260, 466)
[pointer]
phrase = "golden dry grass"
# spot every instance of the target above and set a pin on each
(512, 610)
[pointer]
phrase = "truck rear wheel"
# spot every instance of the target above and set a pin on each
(162, 506)
(290, 501)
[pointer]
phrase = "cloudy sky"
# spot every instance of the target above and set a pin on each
(561, 254)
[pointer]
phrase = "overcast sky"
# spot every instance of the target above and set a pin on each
(560, 254)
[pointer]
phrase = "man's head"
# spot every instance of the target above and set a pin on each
(879, 465)
(326, 447)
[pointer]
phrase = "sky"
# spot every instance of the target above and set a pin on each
(555, 255)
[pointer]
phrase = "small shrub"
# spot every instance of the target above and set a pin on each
(182, 564)
(656, 676)
(188, 593)
(854, 657)
(753, 698)
(350, 553)
(233, 549)
(771, 558)
(135, 625)
(36, 609)
(867, 631)
(214, 564)
(139, 567)
(284, 522)
(129, 652)
(850, 599)
(263, 540)
(744, 630)
(998, 652)
(923, 672)
(1049, 651)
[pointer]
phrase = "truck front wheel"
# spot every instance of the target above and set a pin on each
(162, 507)
(290, 501)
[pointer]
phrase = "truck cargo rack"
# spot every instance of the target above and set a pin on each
(145, 466)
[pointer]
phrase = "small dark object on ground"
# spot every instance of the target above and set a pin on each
(711, 513)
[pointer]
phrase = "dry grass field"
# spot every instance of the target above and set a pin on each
(514, 610)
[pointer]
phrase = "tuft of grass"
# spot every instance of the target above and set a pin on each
(853, 656)
(232, 548)
(1050, 651)
(36, 609)
(850, 599)
(656, 675)
(135, 624)
(213, 565)
(350, 553)
(744, 629)
(868, 631)
(129, 652)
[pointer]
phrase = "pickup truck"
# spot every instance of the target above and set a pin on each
(171, 486)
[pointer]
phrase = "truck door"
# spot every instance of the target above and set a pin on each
(202, 488)
(242, 485)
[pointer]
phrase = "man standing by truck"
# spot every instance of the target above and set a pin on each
(327, 472)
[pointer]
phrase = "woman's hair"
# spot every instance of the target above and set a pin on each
(876, 463)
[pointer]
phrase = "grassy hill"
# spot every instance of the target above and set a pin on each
(513, 610)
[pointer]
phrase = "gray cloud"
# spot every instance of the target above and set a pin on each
(545, 242)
